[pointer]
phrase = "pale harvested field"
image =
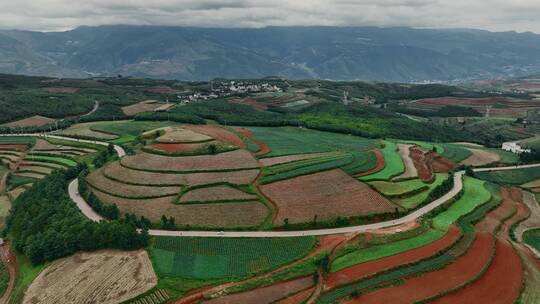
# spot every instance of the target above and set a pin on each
(270, 161)
(130, 176)
(143, 106)
(238, 159)
(481, 158)
(327, 194)
(37, 169)
(180, 135)
(105, 277)
(534, 220)
(244, 214)
(99, 181)
(216, 193)
(10, 152)
(83, 129)
(30, 121)
(410, 169)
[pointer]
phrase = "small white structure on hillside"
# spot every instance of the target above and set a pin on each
(514, 148)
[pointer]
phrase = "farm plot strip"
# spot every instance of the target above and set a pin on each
(98, 181)
(534, 219)
(263, 148)
(218, 133)
(227, 161)
(380, 164)
(116, 171)
(271, 161)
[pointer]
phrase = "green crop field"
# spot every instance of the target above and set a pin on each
(532, 237)
(129, 127)
(414, 200)
(52, 159)
(393, 164)
(399, 188)
(290, 170)
(206, 258)
(455, 153)
(474, 195)
(293, 140)
(17, 140)
(511, 177)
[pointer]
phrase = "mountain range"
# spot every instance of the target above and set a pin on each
(337, 53)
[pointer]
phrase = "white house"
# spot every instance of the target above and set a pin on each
(514, 148)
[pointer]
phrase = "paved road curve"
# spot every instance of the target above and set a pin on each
(458, 186)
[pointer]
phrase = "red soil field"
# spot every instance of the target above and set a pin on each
(98, 180)
(494, 218)
(326, 195)
(238, 159)
(218, 133)
(501, 283)
(175, 148)
(378, 167)
(130, 176)
(18, 147)
(267, 294)
(216, 193)
(422, 163)
(298, 298)
(430, 284)
(359, 271)
(522, 212)
(263, 148)
(442, 165)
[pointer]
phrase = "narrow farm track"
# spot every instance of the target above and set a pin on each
(458, 186)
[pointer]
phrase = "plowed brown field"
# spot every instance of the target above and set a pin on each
(298, 298)
(357, 272)
(216, 193)
(244, 214)
(326, 195)
(175, 148)
(481, 158)
(18, 147)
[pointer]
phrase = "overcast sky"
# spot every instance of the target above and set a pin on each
(54, 15)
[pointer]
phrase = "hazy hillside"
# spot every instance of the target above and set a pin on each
(392, 54)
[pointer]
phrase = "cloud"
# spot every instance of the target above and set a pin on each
(52, 15)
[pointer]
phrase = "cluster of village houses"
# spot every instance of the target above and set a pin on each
(229, 88)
